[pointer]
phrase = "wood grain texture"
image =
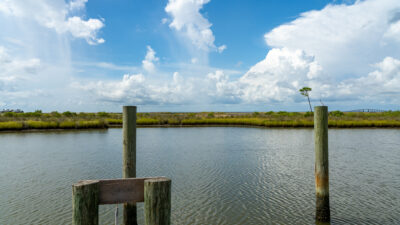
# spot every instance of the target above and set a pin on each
(85, 203)
(321, 163)
(157, 201)
(129, 158)
(117, 191)
(129, 142)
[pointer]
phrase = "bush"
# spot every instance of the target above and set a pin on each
(9, 114)
(308, 114)
(55, 114)
(69, 114)
(255, 114)
(336, 113)
(103, 114)
(210, 115)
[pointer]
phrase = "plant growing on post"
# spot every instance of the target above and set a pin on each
(305, 91)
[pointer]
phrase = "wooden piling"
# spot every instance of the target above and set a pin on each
(85, 203)
(321, 163)
(129, 158)
(157, 201)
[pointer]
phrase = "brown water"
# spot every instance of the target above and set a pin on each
(219, 175)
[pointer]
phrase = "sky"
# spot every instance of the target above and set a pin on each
(199, 55)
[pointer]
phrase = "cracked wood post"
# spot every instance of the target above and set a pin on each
(129, 158)
(157, 201)
(322, 212)
(85, 203)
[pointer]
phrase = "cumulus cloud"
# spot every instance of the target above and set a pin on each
(187, 19)
(55, 15)
(136, 89)
(149, 60)
(381, 85)
(344, 39)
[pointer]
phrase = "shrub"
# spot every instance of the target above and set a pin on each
(69, 114)
(308, 114)
(55, 114)
(336, 113)
(102, 114)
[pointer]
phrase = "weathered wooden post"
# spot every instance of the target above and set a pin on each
(85, 203)
(157, 201)
(129, 158)
(321, 163)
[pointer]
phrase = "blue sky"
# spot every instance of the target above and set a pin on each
(198, 55)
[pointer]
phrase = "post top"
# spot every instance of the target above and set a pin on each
(85, 182)
(157, 179)
(129, 106)
(320, 107)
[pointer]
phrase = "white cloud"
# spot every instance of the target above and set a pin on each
(381, 85)
(343, 38)
(77, 5)
(136, 89)
(15, 74)
(55, 15)
(279, 76)
(187, 19)
(221, 48)
(150, 58)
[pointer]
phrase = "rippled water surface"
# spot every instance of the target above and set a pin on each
(219, 175)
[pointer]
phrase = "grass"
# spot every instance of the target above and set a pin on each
(73, 120)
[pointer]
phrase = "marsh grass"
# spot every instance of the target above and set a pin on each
(72, 120)
(11, 125)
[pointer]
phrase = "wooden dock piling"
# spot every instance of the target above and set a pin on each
(129, 158)
(157, 201)
(321, 164)
(85, 203)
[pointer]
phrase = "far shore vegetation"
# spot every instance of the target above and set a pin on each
(11, 121)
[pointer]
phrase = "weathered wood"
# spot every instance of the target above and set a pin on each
(157, 201)
(321, 163)
(129, 158)
(121, 190)
(85, 203)
(129, 190)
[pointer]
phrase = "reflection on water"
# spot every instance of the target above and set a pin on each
(219, 175)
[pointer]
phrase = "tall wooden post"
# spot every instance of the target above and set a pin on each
(85, 203)
(157, 201)
(321, 163)
(129, 158)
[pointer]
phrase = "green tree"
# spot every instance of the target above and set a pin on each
(305, 92)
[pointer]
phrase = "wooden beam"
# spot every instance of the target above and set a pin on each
(117, 191)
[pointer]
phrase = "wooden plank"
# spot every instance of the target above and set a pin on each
(129, 190)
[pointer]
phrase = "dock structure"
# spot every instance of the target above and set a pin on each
(155, 192)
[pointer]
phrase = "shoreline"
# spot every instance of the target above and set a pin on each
(35, 130)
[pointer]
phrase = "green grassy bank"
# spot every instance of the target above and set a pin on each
(71, 120)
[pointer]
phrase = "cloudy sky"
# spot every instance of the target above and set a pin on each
(199, 55)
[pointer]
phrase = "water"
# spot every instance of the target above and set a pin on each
(219, 175)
